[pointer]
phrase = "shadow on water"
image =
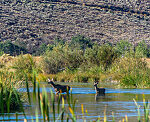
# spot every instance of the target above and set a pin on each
(119, 101)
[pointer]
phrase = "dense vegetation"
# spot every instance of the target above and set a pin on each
(10, 48)
(82, 60)
(9, 96)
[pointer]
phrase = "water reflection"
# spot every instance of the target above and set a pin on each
(119, 101)
(58, 97)
(99, 97)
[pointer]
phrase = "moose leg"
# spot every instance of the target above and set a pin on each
(57, 92)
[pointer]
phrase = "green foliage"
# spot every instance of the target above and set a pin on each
(133, 72)
(124, 48)
(10, 99)
(80, 42)
(59, 41)
(83, 78)
(60, 58)
(107, 55)
(103, 55)
(44, 48)
(95, 60)
(73, 58)
(1, 53)
(54, 61)
(91, 55)
(41, 50)
(24, 64)
(142, 50)
(10, 48)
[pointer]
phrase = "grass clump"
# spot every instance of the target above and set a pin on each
(24, 64)
(9, 96)
(10, 99)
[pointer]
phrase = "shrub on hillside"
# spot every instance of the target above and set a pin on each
(80, 42)
(41, 50)
(12, 49)
(124, 48)
(142, 50)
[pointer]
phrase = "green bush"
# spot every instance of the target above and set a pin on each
(54, 61)
(91, 55)
(102, 56)
(124, 48)
(80, 42)
(10, 100)
(73, 58)
(132, 72)
(142, 50)
(136, 79)
(41, 50)
(24, 64)
(61, 58)
(12, 49)
(107, 55)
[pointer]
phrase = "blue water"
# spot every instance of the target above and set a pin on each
(92, 91)
(118, 101)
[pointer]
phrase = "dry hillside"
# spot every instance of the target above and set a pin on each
(32, 23)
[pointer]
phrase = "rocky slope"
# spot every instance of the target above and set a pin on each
(32, 23)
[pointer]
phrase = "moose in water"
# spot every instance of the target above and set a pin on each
(59, 88)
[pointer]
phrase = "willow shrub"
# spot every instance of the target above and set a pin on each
(142, 50)
(132, 72)
(53, 61)
(91, 55)
(24, 64)
(124, 48)
(61, 58)
(103, 55)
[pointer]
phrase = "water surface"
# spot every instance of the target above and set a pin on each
(118, 101)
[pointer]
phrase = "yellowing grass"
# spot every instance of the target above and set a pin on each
(148, 62)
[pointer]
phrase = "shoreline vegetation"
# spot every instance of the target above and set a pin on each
(82, 60)
(79, 60)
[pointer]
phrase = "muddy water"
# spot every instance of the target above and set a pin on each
(117, 101)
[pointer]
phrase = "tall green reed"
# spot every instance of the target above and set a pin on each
(146, 110)
(10, 98)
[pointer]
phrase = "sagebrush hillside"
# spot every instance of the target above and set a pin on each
(31, 23)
